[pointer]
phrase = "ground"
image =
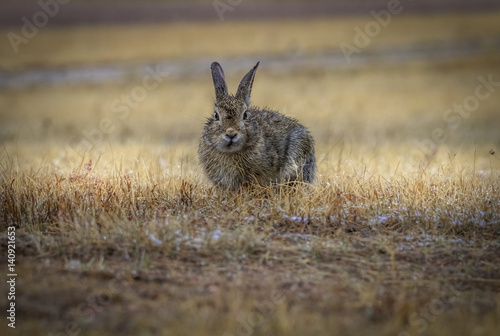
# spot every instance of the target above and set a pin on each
(118, 232)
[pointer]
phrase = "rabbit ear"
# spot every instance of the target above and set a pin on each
(219, 81)
(245, 88)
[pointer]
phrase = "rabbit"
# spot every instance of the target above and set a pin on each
(244, 145)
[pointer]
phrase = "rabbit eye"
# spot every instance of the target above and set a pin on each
(216, 116)
(245, 115)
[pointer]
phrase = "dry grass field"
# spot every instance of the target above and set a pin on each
(118, 232)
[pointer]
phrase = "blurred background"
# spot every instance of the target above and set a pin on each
(84, 75)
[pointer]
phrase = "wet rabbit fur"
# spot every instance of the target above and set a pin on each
(243, 144)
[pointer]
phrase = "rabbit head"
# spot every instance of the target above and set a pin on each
(231, 124)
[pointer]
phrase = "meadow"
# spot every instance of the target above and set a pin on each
(118, 231)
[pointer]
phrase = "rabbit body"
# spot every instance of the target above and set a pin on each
(243, 145)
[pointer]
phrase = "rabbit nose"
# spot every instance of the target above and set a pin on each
(231, 133)
(231, 136)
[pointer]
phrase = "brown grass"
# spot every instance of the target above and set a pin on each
(130, 239)
(136, 43)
